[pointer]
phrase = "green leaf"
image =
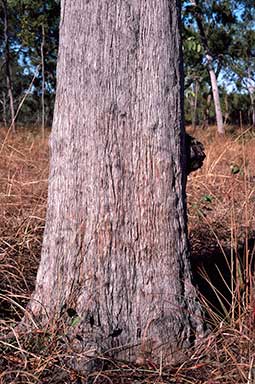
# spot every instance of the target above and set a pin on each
(75, 321)
(189, 45)
(207, 198)
(234, 169)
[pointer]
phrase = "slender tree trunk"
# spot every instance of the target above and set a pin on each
(43, 81)
(226, 114)
(206, 111)
(194, 117)
(213, 78)
(251, 90)
(4, 108)
(7, 64)
(216, 97)
(252, 97)
(240, 120)
(115, 250)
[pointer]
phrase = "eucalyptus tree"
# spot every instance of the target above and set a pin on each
(32, 35)
(6, 50)
(196, 75)
(115, 260)
(39, 22)
(214, 20)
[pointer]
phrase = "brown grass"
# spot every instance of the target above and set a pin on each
(23, 191)
(221, 204)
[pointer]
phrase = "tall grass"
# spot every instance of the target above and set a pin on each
(221, 205)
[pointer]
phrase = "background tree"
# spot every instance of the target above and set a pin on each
(7, 60)
(228, 26)
(39, 22)
(28, 20)
(115, 254)
(215, 39)
(242, 64)
(195, 75)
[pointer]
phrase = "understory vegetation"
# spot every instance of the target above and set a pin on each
(221, 209)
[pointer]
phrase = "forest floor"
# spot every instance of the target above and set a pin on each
(221, 209)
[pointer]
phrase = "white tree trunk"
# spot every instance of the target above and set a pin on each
(216, 97)
(213, 78)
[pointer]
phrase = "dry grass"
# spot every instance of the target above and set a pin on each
(221, 204)
(23, 191)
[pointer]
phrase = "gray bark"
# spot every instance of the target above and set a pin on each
(115, 247)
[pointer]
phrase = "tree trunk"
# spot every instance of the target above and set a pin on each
(206, 110)
(226, 114)
(213, 78)
(4, 108)
(43, 81)
(216, 97)
(251, 90)
(194, 115)
(7, 64)
(252, 109)
(115, 250)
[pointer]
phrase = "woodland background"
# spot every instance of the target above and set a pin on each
(29, 46)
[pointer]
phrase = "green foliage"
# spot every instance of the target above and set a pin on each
(192, 44)
(230, 33)
(229, 38)
(207, 198)
(235, 169)
(27, 18)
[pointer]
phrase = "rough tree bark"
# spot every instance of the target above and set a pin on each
(115, 248)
